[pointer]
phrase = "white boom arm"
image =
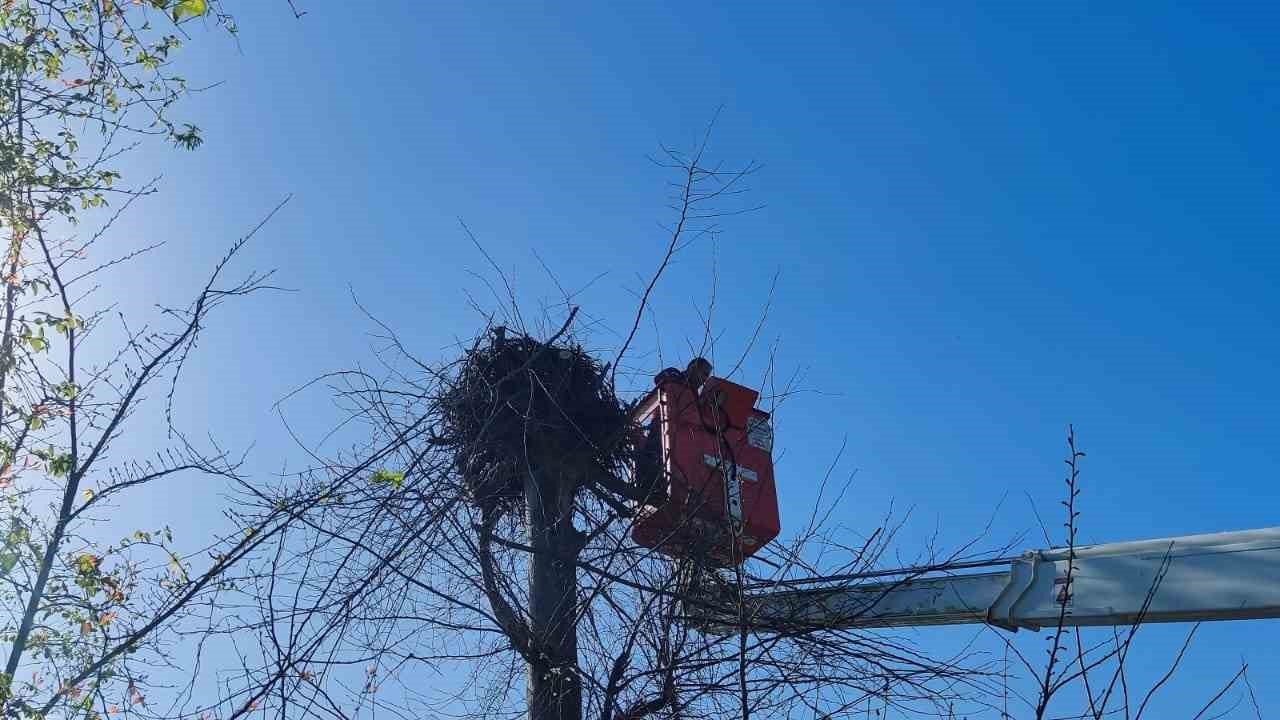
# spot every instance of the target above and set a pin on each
(1220, 576)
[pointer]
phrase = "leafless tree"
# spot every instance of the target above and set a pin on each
(475, 524)
(1093, 675)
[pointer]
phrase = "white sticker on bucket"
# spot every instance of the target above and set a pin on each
(743, 473)
(760, 433)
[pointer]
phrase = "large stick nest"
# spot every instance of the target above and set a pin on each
(519, 403)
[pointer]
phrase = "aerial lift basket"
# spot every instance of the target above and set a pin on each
(706, 452)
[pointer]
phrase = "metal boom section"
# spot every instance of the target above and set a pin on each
(1219, 576)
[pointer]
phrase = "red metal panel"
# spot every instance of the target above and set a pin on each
(720, 497)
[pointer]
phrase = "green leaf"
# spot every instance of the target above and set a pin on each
(388, 477)
(176, 569)
(188, 138)
(70, 322)
(60, 465)
(87, 564)
(7, 561)
(52, 66)
(189, 8)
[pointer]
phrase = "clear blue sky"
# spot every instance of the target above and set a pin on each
(989, 221)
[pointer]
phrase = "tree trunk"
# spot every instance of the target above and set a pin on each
(554, 688)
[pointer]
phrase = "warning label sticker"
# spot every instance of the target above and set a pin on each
(760, 433)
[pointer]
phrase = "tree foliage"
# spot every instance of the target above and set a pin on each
(91, 612)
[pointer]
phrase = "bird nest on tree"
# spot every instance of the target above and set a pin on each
(519, 403)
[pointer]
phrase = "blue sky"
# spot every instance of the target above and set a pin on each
(988, 221)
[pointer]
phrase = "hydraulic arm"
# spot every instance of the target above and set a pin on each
(1220, 576)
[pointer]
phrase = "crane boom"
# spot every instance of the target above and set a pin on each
(1219, 576)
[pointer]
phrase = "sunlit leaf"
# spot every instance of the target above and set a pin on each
(189, 8)
(388, 477)
(87, 564)
(176, 569)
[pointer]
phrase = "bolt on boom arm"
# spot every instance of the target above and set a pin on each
(1219, 576)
